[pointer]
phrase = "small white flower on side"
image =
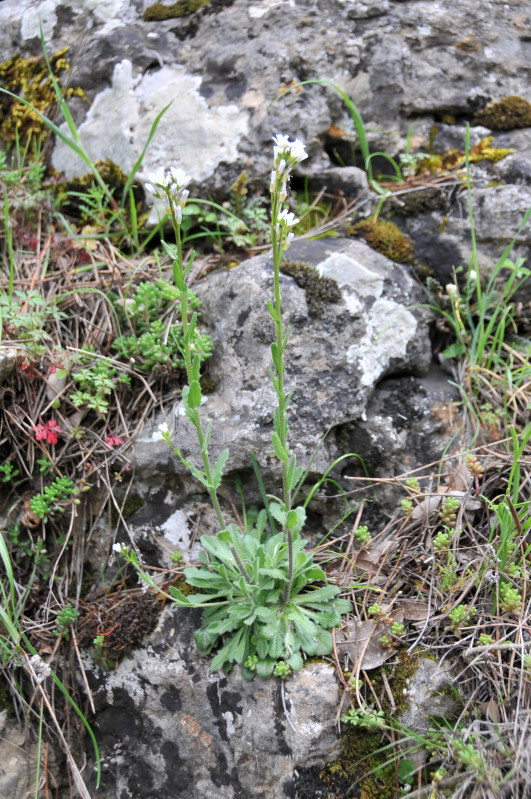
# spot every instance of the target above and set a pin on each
(451, 290)
(286, 218)
(120, 548)
(472, 276)
(161, 432)
(41, 669)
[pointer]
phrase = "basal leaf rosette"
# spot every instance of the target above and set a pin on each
(244, 612)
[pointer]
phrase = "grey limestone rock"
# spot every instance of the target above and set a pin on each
(224, 65)
(169, 726)
(375, 326)
(430, 696)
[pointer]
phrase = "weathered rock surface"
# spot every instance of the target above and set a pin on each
(168, 726)
(375, 326)
(409, 422)
(430, 696)
(18, 759)
(225, 64)
(221, 68)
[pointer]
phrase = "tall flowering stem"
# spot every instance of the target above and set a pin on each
(286, 155)
(169, 185)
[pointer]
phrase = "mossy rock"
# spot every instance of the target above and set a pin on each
(423, 201)
(320, 291)
(131, 505)
(29, 78)
(439, 164)
(182, 8)
(363, 769)
(385, 237)
(506, 114)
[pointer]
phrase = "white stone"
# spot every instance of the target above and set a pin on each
(189, 134)
(390, 328)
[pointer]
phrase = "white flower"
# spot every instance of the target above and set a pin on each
(119, 548)
(287, 153)
(161, 432)
(179, 177)
(472, 276)
(451, 290)
(169, 185)
(41, 669)
(281, 141)
(286, 218)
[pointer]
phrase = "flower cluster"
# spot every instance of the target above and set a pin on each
(48, 432)
(169, 185)
(286, 155)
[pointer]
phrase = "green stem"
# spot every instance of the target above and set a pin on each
(180, 280)
(278, 251)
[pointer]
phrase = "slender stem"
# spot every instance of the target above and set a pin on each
(241, 566)
(279, 245)
(279, 333)
(180, 279)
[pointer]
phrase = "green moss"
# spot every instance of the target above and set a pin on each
(182, 8)
(184, 588)
(29, 78)
(5, 700)
(131, 505)
(361, 760)
(506, 114)
(455, 159)
(208, 384)
(109, 171)
(320, 291)
(385, 237)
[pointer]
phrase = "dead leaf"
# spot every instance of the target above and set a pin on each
(427, 507)
(414, 611)
(461, 478)
(361, 637)
(90, 244)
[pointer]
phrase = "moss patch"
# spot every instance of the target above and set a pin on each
(182, 8)
(456, 159)
(362, 769)
(320, 291)
(131, 505)
(506, 114)
(385, 237)
(5, 699)
(29, 78)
